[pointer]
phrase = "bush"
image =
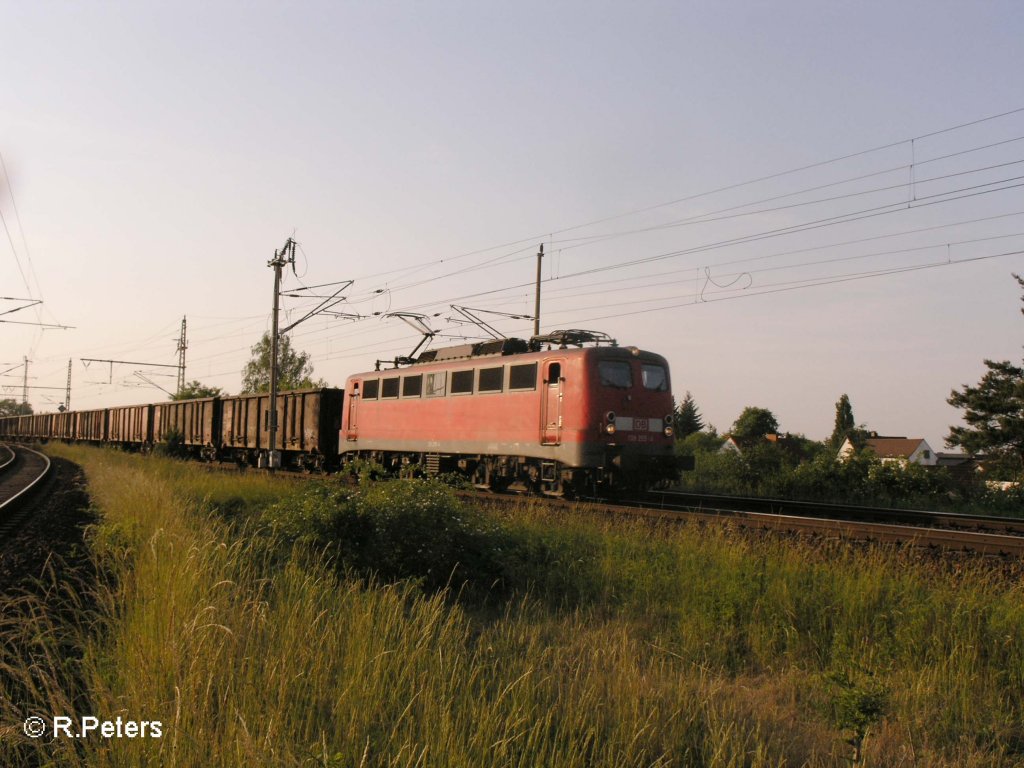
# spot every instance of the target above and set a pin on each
(172, 446)
(767, 470)
(396, 529)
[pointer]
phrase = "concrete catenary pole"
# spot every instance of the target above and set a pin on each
(281, 258)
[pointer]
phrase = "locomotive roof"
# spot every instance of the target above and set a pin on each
(563, 339)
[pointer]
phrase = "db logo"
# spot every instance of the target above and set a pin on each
(640, 425)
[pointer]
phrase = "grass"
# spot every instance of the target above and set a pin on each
(606, 645)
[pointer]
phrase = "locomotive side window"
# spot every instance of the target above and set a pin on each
(412, 386)
(554, 373)
(370, 389)
(491, 379)
(462, 382)
(615, 373)
(436, 384)
(522, 376)
(389, 387)
(654, 377)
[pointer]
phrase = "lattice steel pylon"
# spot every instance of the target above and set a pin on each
(182, 346)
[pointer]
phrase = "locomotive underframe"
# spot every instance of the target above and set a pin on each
(530, 474)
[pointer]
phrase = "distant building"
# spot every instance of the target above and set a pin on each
(737, 445)
(956, 461)
(903, 450)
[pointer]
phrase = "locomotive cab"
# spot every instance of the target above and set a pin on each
(632, 408)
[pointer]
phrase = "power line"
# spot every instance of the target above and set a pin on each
(727, 188)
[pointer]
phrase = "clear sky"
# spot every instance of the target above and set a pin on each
(159, 153)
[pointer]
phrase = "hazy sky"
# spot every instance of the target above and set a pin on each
(160, 152)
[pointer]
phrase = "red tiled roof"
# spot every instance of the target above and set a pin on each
(893, 447)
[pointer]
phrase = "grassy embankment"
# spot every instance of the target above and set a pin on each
(224, 617)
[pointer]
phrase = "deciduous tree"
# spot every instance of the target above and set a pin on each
(755, 423)
(294, 371)
(11, 407)
(196, 389)
(844, 422)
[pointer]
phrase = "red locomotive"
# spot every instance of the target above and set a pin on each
(550, 415)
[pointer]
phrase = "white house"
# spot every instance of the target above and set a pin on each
(905, 450)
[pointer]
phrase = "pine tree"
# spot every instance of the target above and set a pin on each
(688, 418)
(993, 410)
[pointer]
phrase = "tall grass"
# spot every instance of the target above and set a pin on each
(624, 646)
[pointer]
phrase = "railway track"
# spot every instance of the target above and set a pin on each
(1005, 543)
(936, 530)
(849, 512)
(6, 457)
(22, 470)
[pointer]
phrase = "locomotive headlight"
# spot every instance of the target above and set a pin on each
(610, 417)
(670, 419)
(668, 431)
(610, 428)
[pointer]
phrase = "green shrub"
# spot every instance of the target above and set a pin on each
(395, 529)
(172, 446)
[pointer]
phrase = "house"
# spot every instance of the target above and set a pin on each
(737, 445)
(904, 450)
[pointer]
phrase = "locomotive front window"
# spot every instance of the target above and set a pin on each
(370, 389)
(654, 377)
(435, 384)
(412, 386)
(522, 376)
(389, 387)
(491, 379)
(615, 373)
(462, 382)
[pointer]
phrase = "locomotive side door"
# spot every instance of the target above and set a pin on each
(351, 424)
(551, 404)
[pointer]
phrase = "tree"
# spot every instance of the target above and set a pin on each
(688, 418)
(755, 423)
(11, 407)
(993, 411)
(844, 422)
(699, 442)
(294, 371)
(196, 389)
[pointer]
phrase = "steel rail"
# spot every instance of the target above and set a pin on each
(10, 459)
(914, 517)
(938, 538)
(946, 538)
(9, 502)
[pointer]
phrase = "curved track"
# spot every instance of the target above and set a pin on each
(19, 475)
(6, 457)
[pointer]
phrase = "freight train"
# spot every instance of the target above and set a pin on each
(550, 415)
